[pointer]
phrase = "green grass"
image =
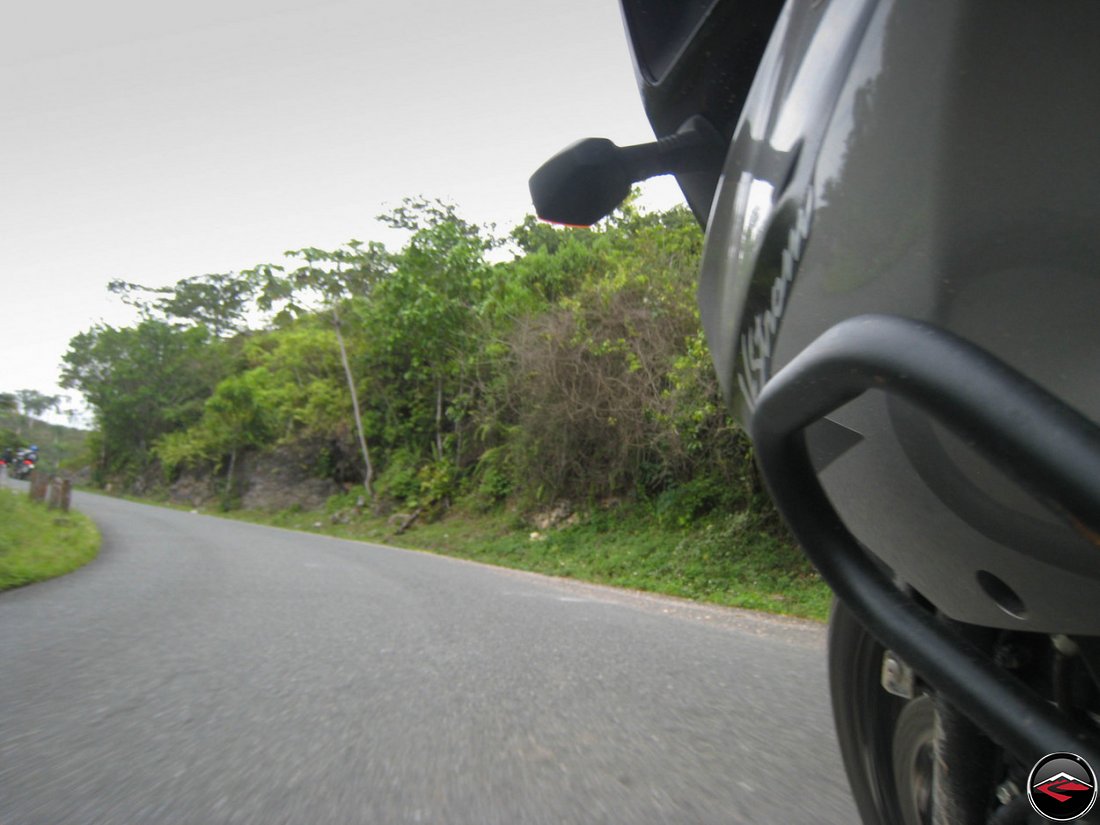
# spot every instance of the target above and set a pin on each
(37, 544)
(737, 560)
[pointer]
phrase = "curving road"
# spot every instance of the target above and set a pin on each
(207, 671)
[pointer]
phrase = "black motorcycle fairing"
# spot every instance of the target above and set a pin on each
(697, 58)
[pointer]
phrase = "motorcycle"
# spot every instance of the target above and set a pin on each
(22, 465)
(898, 288)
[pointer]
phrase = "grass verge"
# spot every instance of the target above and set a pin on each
(37, 544)
(737, 560)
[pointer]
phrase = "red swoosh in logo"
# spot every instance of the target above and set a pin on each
(1053, 787)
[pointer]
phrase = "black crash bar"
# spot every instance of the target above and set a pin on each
(1039, 441)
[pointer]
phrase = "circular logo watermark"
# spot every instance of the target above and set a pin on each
(1062, 787)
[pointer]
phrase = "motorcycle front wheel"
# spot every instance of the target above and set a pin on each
(885, 741)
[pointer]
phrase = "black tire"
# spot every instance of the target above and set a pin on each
(871, 724)
(914, 756)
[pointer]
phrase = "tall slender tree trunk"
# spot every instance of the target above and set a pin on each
(439, 417)
(229, 473)
(459, 416)
(368, 474)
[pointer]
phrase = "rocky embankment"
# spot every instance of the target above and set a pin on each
(274, 480)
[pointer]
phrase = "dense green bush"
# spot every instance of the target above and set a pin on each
(574, 371)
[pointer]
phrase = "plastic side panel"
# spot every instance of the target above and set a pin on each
(955, 184)
(764, 209)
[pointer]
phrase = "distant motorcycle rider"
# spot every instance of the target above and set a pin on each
(23, 463)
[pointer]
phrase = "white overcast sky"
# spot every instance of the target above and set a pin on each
(151, 141)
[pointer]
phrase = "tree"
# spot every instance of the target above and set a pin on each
(8, 404)
(291, 388)
(332, 277)
(218, 301)
(424, 314)
(142, 382)
(31, 403)
(233, 418)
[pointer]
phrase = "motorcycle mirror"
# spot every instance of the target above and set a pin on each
(586, 181)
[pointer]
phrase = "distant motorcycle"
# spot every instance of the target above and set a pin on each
(23, 465)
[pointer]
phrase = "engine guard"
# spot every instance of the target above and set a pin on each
(1038, 440)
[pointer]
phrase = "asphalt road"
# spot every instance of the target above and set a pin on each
(205, 671)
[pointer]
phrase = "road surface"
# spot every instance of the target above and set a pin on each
(207, 671)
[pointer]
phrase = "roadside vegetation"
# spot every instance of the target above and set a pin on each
(37, 543)
(736, 560)
(467, 381)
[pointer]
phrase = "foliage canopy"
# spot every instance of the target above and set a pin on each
(573, 369)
